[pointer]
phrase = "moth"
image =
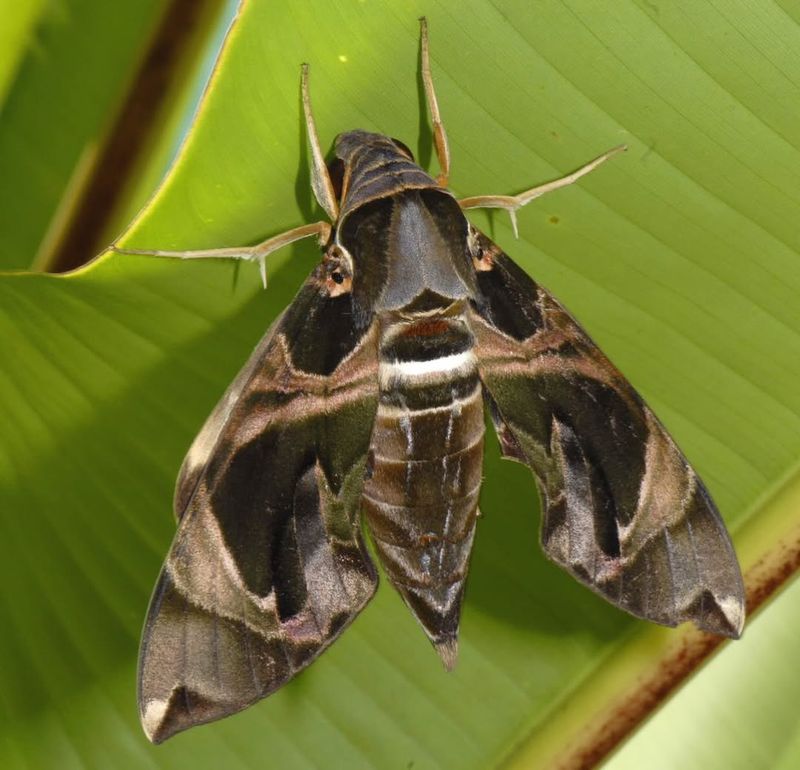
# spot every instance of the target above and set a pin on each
(365, 399)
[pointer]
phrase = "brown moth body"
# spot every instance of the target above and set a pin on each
(424, 474)
(366, 398)
(420, 498)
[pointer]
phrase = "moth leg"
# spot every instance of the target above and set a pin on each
(513, 202)
(439, 134)
(257, 253)
(320, 178)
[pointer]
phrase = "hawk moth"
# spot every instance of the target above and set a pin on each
(366, 398)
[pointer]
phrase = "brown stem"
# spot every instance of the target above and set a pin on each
(130, 133)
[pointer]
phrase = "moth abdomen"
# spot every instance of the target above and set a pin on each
(421, 499)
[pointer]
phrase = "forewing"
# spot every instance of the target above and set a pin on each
(623, 511)
(268, 565)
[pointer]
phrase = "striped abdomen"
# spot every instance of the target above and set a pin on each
(426, 458)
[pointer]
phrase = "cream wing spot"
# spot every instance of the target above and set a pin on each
(154, 713)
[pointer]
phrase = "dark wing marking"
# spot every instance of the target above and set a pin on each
(268, 564)
(623, 510)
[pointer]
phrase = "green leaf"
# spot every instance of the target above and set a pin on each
(89, 72)
(679, 258)
(19, 21)
(73, 68)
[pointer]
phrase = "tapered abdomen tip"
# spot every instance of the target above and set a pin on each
(448, 652)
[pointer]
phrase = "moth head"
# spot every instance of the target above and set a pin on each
(406, 234)
(340, 165)
(365, 166)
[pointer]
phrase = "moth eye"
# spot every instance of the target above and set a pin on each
(336, 272)
(482, 259)
(337, 283)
